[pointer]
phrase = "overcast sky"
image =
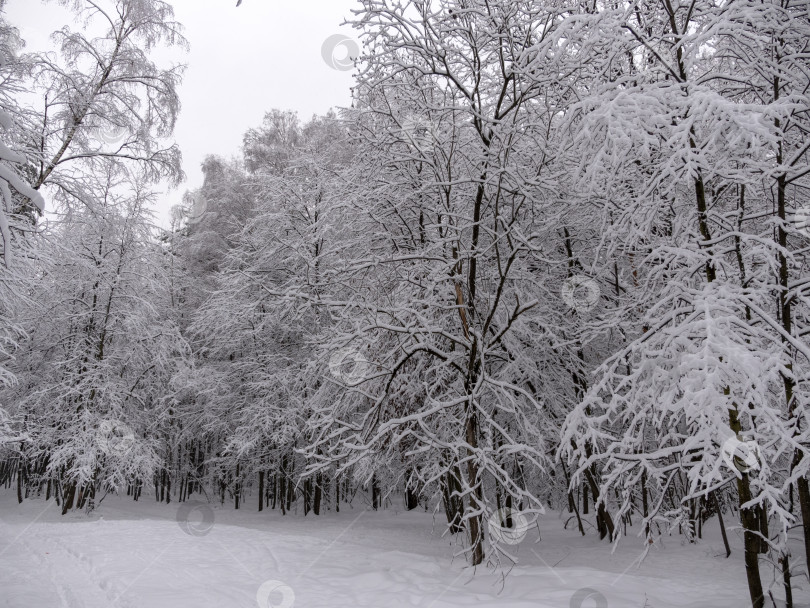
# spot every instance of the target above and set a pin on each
(242, 62)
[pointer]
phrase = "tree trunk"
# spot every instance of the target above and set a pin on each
(762, 524)
(747, 518)
(722, 525)
(307, 495)
(282, 497)
(750, 524)
(784, 561)
(375, 493)
(67, 503)
(453, 508)
(19, 481)
(804, 505)
(290, 487)
(316, 499)
(237, 490)
(474, 520)
(411, 496)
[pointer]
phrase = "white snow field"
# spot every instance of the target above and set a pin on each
(129, 555)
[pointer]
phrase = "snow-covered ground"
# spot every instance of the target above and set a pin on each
(131, 555)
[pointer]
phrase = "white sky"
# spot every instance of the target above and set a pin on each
(242, 62)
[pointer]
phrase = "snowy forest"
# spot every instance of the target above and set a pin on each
(548, 271)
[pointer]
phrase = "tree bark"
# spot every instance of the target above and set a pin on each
(475, 500)
(316, 500)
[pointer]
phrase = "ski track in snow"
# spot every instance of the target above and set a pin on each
(133, 555)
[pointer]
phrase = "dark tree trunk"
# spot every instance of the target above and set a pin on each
(751, 542)
(290, 488)
(453, 508)
(237, 489)
(411, 491)
(645, 505)
(316, 499)
(784, 561)
(375, 493)
(762, 516)
(508, 518)
(67, 503)
(282, 497)
(804, 506)
(722, 525)
(307, 495)
(474, 520)
(20, 481)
